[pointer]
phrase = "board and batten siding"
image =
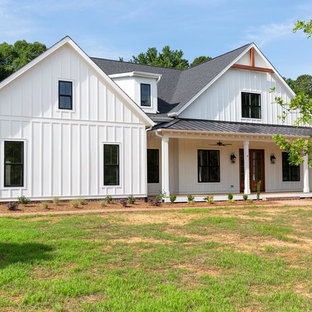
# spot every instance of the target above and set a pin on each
(222, 100)
(64, 149)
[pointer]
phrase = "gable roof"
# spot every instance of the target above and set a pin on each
(67, 40)
(217, 126)
(176, 87)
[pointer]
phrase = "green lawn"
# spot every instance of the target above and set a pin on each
(214, 259)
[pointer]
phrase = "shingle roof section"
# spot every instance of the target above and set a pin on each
(176, 87)
(233, 127)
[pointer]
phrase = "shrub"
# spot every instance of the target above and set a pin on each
(75, 203)
(131, 200)
(190, 199)
(103, 203)
(231, 201)
(45, 204)
(123, 202)
(56, 200)
(160, 197)
(245, 196)
(258, 189)
(82, 201)
(23, 200)
(230, 196)
(108, 199)
(209, 199)
(12, 206)
(173, 198)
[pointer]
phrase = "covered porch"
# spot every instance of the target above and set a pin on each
(204, 162)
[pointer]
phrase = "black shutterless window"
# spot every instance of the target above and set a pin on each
(290, 172)
(251, 105)
(65, 95)
(145, 94)
(208, 166)
(13, 164)
(152, 166)
(111, 164)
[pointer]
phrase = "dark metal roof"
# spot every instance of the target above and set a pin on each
(176, 87)
(233, 127)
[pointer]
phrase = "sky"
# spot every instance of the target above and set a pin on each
(123, 28)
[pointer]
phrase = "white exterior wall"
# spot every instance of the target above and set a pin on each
(183, 167)
(222, 100)
(132, 86)
(64, 149)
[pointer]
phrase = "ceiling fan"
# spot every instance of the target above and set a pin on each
(219, 143)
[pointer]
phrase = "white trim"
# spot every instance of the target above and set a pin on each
(137, 74)
(110, 82)
(177, 113)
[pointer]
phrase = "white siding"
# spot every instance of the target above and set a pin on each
(222, 101)
(64, 149)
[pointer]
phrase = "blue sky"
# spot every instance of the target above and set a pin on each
(116, 28)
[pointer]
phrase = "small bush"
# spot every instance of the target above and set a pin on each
(131, 200)
(160, 197)
(231, 201)
(123, 202)
(173, 198)
(230, 196)
(245, 196)
(82, 201)
(75, 203)
(190, 199)
(258, 189)
(103, 203)
(209, 199)
(108, 199)
(23, 200)
(45, 204)
(56, 200)
(12, 206)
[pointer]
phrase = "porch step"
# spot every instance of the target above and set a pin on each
(281, 198)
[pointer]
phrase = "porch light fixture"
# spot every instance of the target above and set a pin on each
(233, 158)
(272, 158)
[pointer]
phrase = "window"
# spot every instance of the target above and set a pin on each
(208, 166)
(65, 95)
(251, 105)
(152, 166)
(111, 164)
(290, 172)
(145, 94)
(13, 163)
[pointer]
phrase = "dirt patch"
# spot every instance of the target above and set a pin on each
(198, 270)
(134, 240)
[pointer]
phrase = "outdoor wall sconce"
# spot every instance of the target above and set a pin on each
(272, 158)
(233, 158)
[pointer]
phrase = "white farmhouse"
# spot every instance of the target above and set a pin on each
(72, 126)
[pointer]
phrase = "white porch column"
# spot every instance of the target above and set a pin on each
(246, 168)
(165, 165)
(306, 182)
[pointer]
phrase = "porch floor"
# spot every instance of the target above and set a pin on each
(239, 196)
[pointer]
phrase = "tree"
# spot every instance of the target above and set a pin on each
(303, 84)
(200, 59)
(13, 57)
(301, 103)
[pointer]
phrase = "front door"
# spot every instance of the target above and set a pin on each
(256, 167)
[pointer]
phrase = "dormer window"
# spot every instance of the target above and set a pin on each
(146, 95)
(65, 95)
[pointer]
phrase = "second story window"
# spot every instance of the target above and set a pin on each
(251, 105)
(146, 95)
(65, 95)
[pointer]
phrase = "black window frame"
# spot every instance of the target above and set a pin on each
(21, 164)
(112, 165)
(65, 95)
(250, 107)
(156, 179)
(293, 171)
(209, 176)
(150, 94)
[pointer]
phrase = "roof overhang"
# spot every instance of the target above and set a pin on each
(137, 74)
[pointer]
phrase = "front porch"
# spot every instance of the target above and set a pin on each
(242, 160)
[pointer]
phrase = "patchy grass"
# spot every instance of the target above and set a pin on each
(215, 259)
